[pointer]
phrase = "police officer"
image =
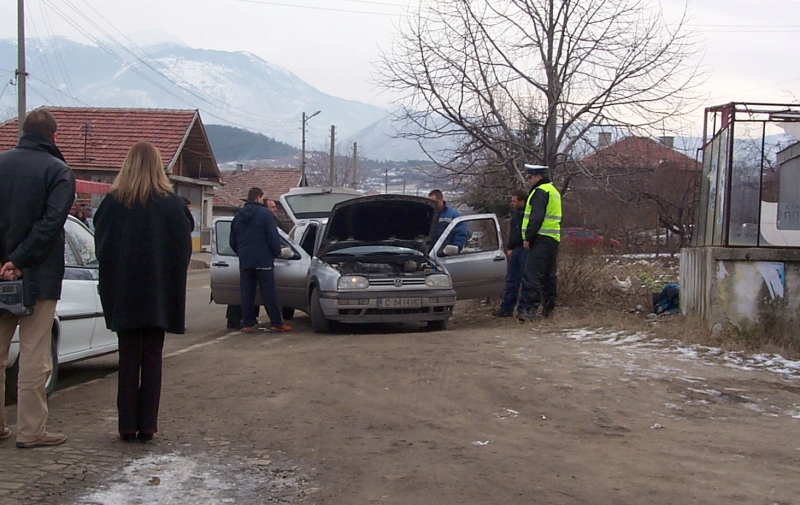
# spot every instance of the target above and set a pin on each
(541, 233)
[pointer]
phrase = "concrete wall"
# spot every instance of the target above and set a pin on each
(757, 291)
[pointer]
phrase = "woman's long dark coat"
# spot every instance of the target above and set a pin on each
(143, 254)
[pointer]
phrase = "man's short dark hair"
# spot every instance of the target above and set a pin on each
(40, 122)
(254, 194)
(521, 194)
(437, 193)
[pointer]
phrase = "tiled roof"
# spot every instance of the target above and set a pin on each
(273, 182)
(223, 199)
(111, 132)
(639, 152)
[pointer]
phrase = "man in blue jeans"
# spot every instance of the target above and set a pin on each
(254, 238)
(516, 256)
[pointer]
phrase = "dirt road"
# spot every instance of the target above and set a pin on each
(489, 412)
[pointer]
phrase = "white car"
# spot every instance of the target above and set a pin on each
(79, 328)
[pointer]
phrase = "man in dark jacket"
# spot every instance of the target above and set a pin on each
(443, 217)
(516, 256)
(254, 238)
(36, 195)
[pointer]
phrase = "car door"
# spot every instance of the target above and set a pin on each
(224, 264)
(479, 269)
(79, 306)
(290, 273)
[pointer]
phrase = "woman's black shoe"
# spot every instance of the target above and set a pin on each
(127, 437)
(144, 437)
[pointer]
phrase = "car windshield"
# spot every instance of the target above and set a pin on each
(315, 205)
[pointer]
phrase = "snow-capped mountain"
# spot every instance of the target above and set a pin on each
(234, 88)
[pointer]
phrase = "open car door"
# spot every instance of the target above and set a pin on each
(291, 270)
(479, 269)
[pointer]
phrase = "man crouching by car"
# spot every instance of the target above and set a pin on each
(36, 193)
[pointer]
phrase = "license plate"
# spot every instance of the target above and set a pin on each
(399, 303)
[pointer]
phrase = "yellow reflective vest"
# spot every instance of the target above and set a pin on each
(551, 226)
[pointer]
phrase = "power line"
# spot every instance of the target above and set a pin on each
(310, 7)
(219, 103)
(29, 20)
(76, 99)
(148, 65)
(59, 59)
(138, 72)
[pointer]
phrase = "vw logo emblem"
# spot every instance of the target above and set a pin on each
(398, 282)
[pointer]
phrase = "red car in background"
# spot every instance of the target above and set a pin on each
(581, 238)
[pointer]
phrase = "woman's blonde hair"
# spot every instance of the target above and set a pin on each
(141, 175)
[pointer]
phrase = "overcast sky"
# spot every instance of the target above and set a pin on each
(750, 46)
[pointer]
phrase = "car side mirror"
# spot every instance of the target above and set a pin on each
(450, 250)
(286, 253)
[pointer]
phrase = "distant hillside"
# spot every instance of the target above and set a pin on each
(237, 144)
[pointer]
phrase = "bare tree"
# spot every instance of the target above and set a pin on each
(319, 169)
(481, 72)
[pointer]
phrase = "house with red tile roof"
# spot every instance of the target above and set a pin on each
(637, 184)
(94, 142)
(273, 182)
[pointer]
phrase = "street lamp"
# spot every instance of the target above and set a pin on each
(303, 150)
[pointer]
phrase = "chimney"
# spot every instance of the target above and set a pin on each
(239, 168)
(667, 141)
(603, 139)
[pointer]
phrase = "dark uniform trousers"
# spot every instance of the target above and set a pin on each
(539, 277)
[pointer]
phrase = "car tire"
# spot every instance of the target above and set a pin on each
(440, 325)
(287, 313)
(318, 321)
(50, 385)
(12, 375)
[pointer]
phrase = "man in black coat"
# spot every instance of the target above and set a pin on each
(255, 239)
(516, 256)
(36, 195)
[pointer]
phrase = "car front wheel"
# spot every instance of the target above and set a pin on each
(318, 320)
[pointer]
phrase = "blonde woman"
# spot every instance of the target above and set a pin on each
(144, 245)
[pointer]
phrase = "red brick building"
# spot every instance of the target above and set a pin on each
(638, 184)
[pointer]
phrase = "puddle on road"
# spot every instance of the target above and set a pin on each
(177, 479)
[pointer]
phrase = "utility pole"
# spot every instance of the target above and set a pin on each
(20, 73)
(303, 181)
(331, 170)
(386, 180)
(355, 164)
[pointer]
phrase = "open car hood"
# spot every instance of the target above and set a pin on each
(395, 220)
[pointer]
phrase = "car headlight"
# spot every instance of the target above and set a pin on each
(438, 281)
(352, 282)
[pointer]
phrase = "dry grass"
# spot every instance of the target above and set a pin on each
(588, 299)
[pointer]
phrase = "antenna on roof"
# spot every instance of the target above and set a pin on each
(86, 130)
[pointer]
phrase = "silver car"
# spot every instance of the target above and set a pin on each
(372, 262)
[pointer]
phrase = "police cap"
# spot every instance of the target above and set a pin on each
(535, 170)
